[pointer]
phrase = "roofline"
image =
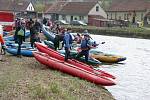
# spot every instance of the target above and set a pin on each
(125, 11)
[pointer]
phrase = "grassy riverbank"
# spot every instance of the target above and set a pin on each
(26, 79)
(133, 32)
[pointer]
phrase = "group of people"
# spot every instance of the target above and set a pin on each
(62, 34)
(20, 29)
(85, 44)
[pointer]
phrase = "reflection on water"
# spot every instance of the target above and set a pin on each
(133, 75)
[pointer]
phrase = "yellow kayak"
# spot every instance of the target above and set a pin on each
(108, 58)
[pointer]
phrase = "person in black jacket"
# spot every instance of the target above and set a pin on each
(85, 47)
(34, 35)
(20, 38)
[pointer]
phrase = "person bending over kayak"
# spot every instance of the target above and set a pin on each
(67, 43)
(85, 47)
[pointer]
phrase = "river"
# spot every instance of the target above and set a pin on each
(133, 75)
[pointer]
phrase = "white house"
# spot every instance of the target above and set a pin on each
(69, 11)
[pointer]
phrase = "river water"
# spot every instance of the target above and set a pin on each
(133, 75)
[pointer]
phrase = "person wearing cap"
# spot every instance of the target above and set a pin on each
(67, 43)
(85, 32)
(85, 47)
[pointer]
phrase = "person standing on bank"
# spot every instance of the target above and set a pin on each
(57, 36)
(17, 25)
(85, 47)
(67, 43)
(20, 37)
(2, 47)
(34, 35)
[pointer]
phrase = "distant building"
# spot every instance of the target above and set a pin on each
(78, 0)
(19, 8)
(133, 11)
(88, 12)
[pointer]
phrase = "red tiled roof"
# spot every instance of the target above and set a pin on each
(21, 6)
(6, 5)
(56, 7)
(47, 6)
(129, 5)
(72, 8)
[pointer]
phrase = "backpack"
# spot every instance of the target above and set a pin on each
(21, 32)
(70, 39)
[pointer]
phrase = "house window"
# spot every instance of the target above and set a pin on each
(81, 17)
(141, 16)
(125, 16)
(63, 17)
(97, 8)
(128, 16)
(75, 18)
(71, 18)
(119, 17)
(115, 16)
(111, 16)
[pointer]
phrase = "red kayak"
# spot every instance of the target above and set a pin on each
(71, 69)
(43, 48)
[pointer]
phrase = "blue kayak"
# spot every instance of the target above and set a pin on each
(49, 35)
(11, 37)
(13, 44)
(24, 51)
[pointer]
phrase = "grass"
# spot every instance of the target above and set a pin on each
(135, 32)
(26, 79)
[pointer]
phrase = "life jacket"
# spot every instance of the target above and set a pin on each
(21, 32)
(70, 39)
(84, 44)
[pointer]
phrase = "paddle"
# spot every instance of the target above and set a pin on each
(95, 41)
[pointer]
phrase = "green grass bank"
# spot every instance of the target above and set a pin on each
(26, 79)
(132, 32)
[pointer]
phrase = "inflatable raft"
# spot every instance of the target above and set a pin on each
(72, 69)
(57, 55)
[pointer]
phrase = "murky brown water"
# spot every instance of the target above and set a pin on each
(133, 75)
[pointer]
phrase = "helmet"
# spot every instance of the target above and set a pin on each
(86, 34)
(85, 31)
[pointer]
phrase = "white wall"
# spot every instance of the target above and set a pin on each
(30, 7)
(68, 18)
(121, 15)
(47, 16)
(101, 12)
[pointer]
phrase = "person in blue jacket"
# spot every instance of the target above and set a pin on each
(85, 47)
(67, 43)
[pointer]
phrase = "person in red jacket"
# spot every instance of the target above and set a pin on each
(2, 47)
